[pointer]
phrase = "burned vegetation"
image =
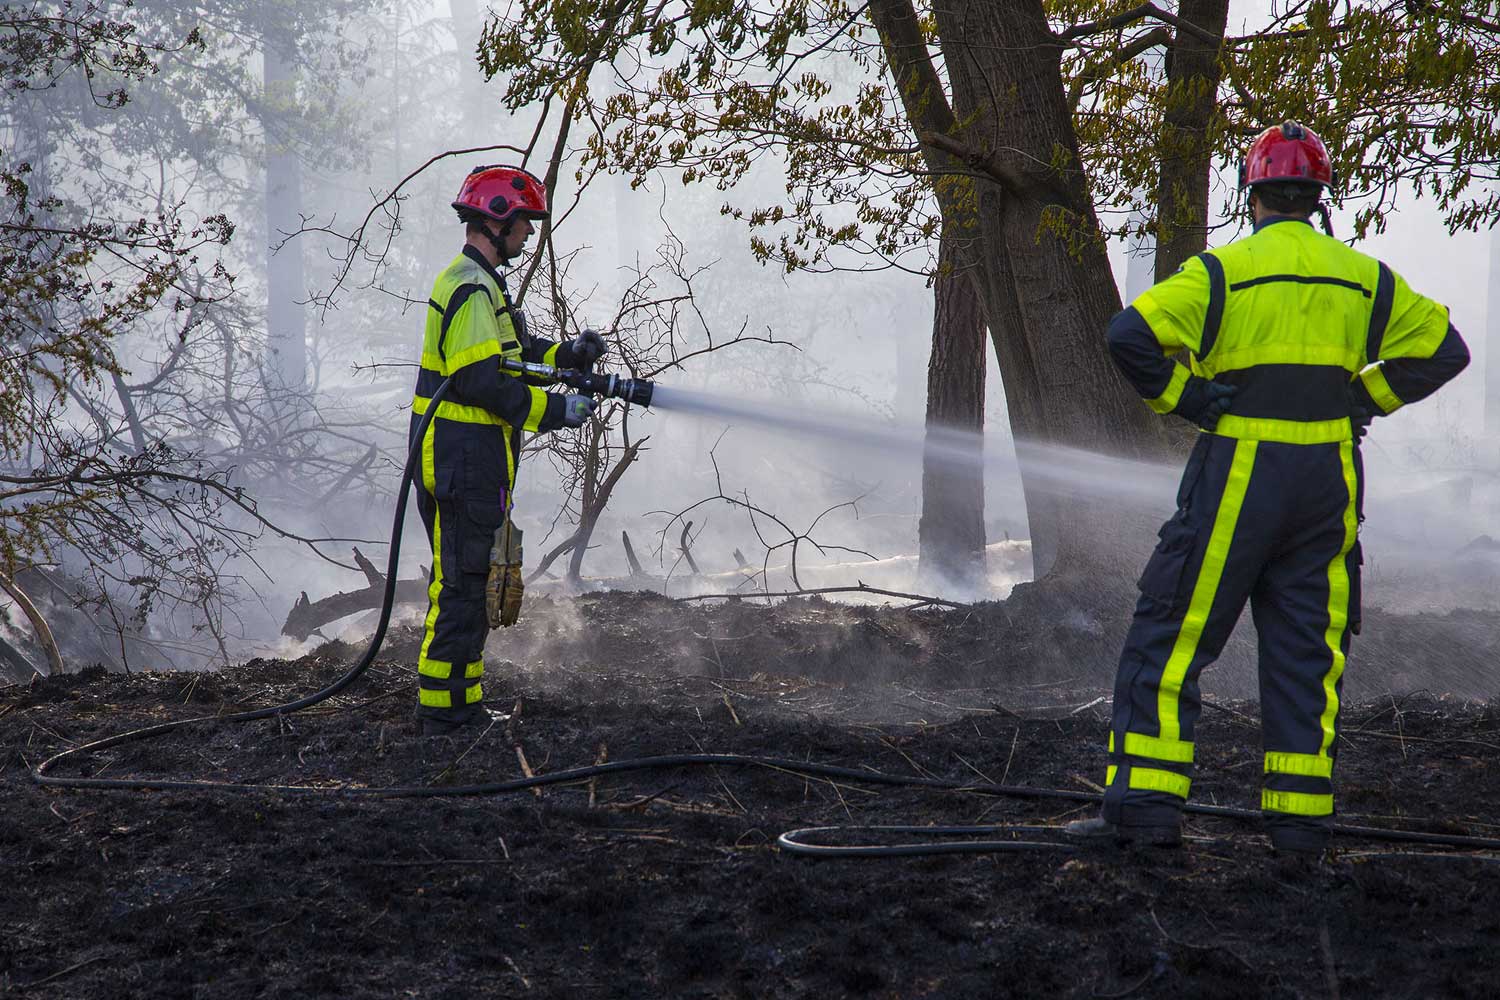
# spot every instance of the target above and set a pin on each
(670, 881)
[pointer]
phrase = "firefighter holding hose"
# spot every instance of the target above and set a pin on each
(1296, 342)
(470, 450)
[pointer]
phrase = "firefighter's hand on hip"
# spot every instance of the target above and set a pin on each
(1204, 401)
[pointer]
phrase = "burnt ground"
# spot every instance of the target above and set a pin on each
(668, 884)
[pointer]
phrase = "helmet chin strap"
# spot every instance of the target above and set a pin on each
(498, 242)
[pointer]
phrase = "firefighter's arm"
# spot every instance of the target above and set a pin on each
(1138, 354)
(472, 356)
(1383, 388)
(546, 352)
(543, 351)
(483, 383)
(1413, 353)
(1166, 318)
(1165, 384)
(566, 354)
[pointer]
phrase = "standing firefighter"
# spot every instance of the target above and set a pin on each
(1295, 342)
(469, 454)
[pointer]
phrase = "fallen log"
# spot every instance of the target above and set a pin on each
(307, 616)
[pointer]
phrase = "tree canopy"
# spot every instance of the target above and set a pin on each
(1404, 93)
(1037, 129)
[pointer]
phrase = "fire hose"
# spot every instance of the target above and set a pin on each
(638, 392)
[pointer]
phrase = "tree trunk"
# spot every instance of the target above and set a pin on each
(1186, 149)
(596, 493)
(480, 118)
(950, 535)
(286, 285)
(1492, 342)
(1044, 261)
(588, 512)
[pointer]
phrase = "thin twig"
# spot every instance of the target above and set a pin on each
(436, 861)
(1200, 947)
(70, 969)
(1010, 756)
(814, 591)
(644, 800)
(1330, 973)
(514, 968)
(594, 781)
(515, 742)
(971, 767)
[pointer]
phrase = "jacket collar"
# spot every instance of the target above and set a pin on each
(472, 252)
(1273, 220)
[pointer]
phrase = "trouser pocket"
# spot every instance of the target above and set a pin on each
(1163, 582)
(480, 521)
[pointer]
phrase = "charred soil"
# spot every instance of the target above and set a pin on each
(668, 883)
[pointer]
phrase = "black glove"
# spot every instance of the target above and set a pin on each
(1362, 409)
(577, 409)
(587, 348)
(1204, 401)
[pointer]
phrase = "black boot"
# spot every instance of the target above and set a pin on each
(1101, 831)
(451, 722)
(1299, 839)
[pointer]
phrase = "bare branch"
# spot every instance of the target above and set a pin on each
(1141, 13)
(816, 591)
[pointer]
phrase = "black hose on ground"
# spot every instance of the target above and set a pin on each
(793, 841)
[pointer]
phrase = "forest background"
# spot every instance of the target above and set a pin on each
(221, 224)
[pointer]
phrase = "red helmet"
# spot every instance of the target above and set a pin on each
(501, 193)
(1287, 152)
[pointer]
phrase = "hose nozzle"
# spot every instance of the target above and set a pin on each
(635, 391)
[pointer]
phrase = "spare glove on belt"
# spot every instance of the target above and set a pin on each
(504, 587)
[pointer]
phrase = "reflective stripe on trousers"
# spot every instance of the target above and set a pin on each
(461, 503)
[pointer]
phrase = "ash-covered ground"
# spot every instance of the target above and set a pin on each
(668, 883)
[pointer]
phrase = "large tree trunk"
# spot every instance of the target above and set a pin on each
(479, 122)
(1186, 152)
(1046, 266)
(1492, 342)
(286, 285)
(950, 535)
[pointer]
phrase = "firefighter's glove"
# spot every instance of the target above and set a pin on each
(1204, 401)
(577, 409)
(502, 594)
(1362, 409)
(587, 348)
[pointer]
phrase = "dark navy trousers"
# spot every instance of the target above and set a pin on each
(461, 495)
(1275, 524)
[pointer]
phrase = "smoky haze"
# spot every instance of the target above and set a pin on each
(815, 417)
